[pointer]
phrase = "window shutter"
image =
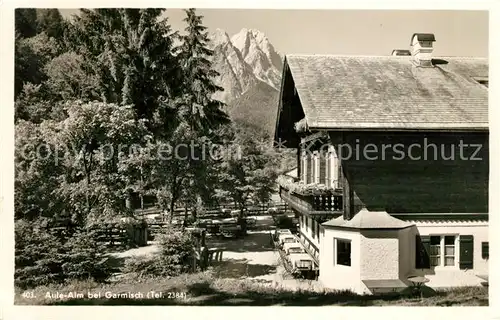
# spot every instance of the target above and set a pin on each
(322, 168)
(334, 170)
(309, 169)
(314, 168)
(340, 183)
(328, 169)
(422, 249)
(466, 252)
(302, 168)
(485, 250)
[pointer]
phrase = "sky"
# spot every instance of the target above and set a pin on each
(351, 32)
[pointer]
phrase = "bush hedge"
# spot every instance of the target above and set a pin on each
(175, 257)
(42, 258)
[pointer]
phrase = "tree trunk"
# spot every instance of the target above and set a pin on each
(87, 167)
(174, 192)
(142, 191)
(195, 207)
(185, 216)
(242, 221)
(172, 205)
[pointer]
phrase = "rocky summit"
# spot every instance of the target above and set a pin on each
(250, 72)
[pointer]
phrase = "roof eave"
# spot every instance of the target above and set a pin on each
(354, 228)
(401, 128)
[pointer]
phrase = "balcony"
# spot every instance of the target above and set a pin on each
(311, 199)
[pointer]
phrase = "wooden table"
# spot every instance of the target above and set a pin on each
(417, 282)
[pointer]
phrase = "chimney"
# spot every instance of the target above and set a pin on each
(421, 48)
(400, 52)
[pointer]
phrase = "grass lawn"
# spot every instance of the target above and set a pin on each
(207, 289)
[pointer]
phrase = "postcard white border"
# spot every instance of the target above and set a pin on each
(9, 311)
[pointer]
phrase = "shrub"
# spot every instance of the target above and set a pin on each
(84, 258)
(144, 266)
(284, 222)
(38, 256)
(175, 257)
(42, 258)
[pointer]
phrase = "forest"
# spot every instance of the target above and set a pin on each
(98, 97)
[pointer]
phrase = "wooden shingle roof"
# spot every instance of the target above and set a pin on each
(390, 92)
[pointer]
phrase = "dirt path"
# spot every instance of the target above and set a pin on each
(250, 257)
(253, 257)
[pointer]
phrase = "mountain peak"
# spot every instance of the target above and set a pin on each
(246, 36)
(253, 32)
(243, 60)
(260, 54)
(250, 72)
(218, 37)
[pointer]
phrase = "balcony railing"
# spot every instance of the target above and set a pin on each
(298, 187)
(320, 204)
(311, 198)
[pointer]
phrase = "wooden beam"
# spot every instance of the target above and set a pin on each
(315, 136)
(348, 198)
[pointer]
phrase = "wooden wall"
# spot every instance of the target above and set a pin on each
(418, 186)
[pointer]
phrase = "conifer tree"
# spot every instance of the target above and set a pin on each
(25, 22)
(51, 22)
(131, 52)
(199, 115)
(203, 113)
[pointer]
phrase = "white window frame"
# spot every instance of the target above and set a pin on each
(316, 167)
(442, 251)
(454, 250)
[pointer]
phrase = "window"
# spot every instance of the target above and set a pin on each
(306, 219)
(449, 250)
(315, 229)
(426, 44)
(435, 251)
(322, 167)
(485, 250)
(343, 252)
(484, 83)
